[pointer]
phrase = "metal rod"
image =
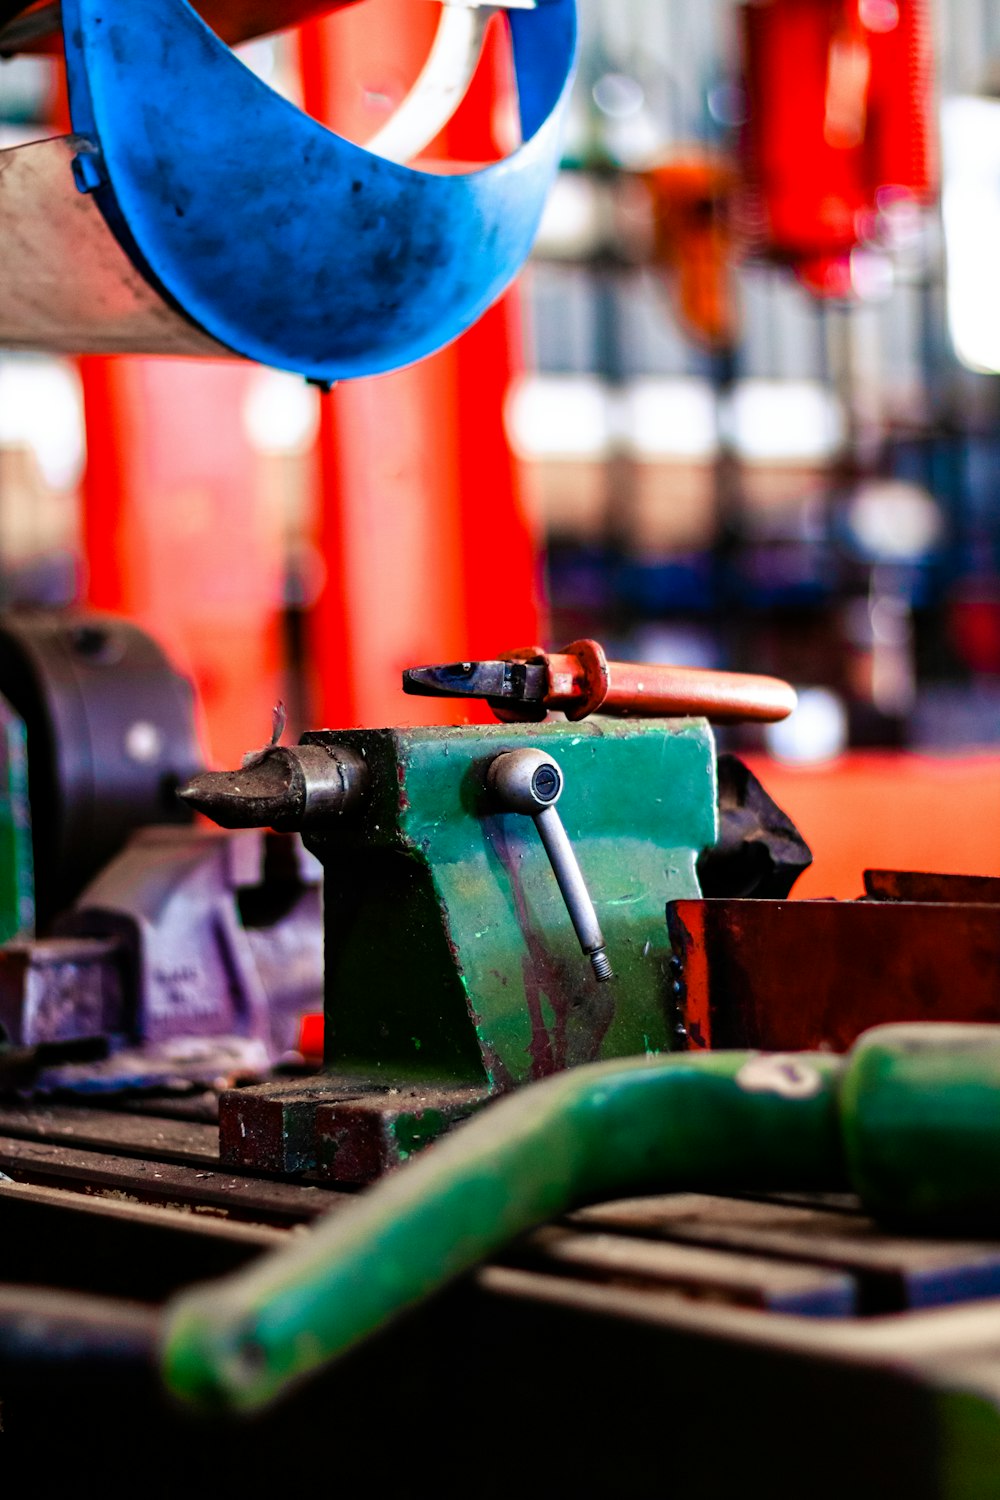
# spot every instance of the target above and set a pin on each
(569, 877)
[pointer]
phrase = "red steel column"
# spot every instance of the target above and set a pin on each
(428, 549)
(176, 536)
(501, 554)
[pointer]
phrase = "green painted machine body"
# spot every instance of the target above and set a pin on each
(17, 886)
(450, 954)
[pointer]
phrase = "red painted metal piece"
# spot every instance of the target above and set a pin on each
(582, 682)
(424, 531)
(176, 536)
(784, 975)
(176, 533)
(311, 1037)
(839, 126)
(500, 547)
(915, 885)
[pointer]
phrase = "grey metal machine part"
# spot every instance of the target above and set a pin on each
(530, 782)
(111, 735)
(288, 787)
(195, 953)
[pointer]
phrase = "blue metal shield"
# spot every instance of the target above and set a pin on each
(281, 240)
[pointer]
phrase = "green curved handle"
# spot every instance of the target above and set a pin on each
(706, 1121)
(910, 1120)
(920, 1121)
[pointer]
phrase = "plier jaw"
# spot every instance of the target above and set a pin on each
(513, 688)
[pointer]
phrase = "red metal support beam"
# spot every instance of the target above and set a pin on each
(428, 547)
(177, 536)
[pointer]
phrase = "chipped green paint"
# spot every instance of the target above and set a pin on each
(412, 1132)
(17, 887)
(683, 1123)
(907, 1120)
(443, 914)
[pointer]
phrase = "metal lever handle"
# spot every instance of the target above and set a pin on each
(531, 782)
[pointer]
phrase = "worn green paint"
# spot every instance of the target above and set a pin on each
(412, 1132)
(891, 1121)
(922, 1123)
(689, 1121)
(17, 889)
(967, 1428)
(449, 951)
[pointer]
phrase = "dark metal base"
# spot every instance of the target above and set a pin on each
(335, 1128)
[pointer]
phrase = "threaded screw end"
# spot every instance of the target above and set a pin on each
(601, 965)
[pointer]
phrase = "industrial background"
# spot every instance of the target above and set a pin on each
(693, 530)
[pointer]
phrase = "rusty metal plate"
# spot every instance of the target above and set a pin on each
(917, 885)
(116, 1247)
(788, 975)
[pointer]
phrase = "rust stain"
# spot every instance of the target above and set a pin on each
(689, 965)
(547, 976)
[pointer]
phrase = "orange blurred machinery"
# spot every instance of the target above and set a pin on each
(693, 242)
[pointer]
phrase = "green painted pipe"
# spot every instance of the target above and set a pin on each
(707, 1121)
(910, 1120)
(920, 1122)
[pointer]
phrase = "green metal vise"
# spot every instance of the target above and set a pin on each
(453, 973)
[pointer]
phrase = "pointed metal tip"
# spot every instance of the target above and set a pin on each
(520, 681)
(263, 795)
(419, 681)
(450, 680)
